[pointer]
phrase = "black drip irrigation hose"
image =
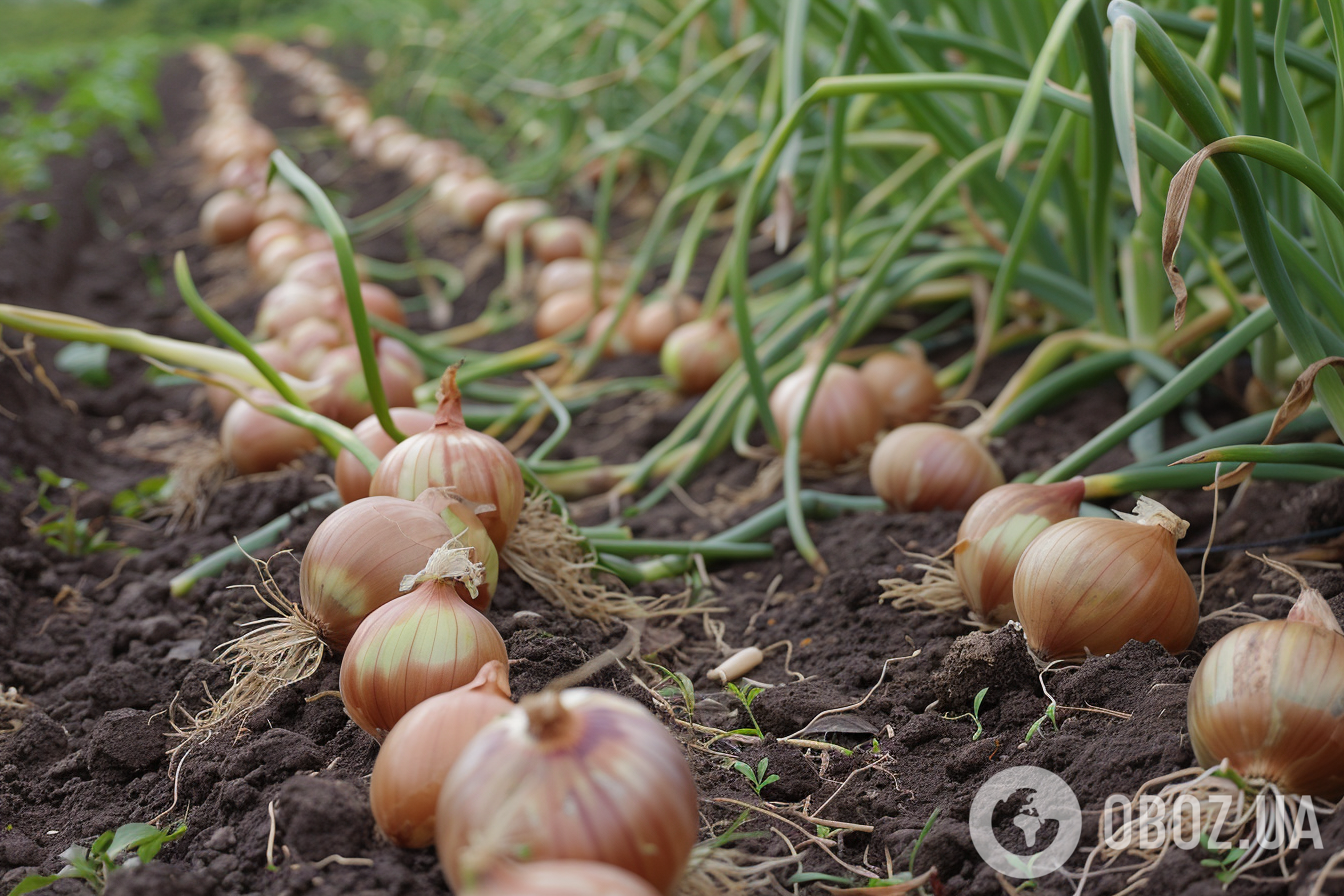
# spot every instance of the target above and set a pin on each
(1315, 535)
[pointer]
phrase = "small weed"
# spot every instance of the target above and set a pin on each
(823, 832)
(746, 698)
(757, 776)
(1036, 725)
(681, 686)
(973, 715)
(93, 864)
(133, 503)
(1225, 872)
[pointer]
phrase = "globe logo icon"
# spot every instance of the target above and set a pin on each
(1045, 812)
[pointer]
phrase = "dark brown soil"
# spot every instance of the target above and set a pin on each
(104, 654)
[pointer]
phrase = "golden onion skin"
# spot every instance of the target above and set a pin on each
(1089, 585)
(356, 559)
(406, 651)
(929, 466)
(420, 751)
(585, 774)
(994, 533)
(843, 418)
(450, 454)
(1269, 698)
(352, 477)
(903, 385)
(562, 878)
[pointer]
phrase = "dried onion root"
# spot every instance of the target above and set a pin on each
(548, 553)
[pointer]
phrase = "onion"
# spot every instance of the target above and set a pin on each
(450, 454)
(366, 140)
(352, 477)
(573, 273)
(274, 352)
(509, 219)
(421, 748)
(475, 199)
(696, 354)
(227, 217)
(288, 303)
(347, 399)
(929, 466)
(1089, 585)
(903, 385)
(424, 643)
(567, 237)
(563, 311)
(282, 204)
(844, 415)
(257, 442)
(443, 192)
(462, 517)
(562, 877)
(309, 341)
(358, 556)
(995, 532)
(580, 774)
(278, 254)
(266, 232)
(1267, 698)
(622, 339)
(658, 318)
(395, 150)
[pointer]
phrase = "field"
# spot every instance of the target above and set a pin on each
(848, 759)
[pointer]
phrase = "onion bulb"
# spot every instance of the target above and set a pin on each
(421, 748)
(258, 442)
(510, 219)
(462, 517)
(844, 415)
(273, 352)
(567, 237)
(658, 318)
(267, 231)
(227, 217)
(696, 354)
(421, 644)
(352, 477)
(470, 203)
(358, 556)
(1088, 585)
(562, 877)
(929, 466)
(449, 453)
(1267, 698)
(347, 398)
(309, 341)
(622, 339)
(563, 311)
(573, 273)
(903, 385)
(995, 532)
(579, 774)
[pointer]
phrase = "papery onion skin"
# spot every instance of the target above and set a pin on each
(357, 558)
(572, 273)
(451, 454)
(562, 878)
(696, 354)
(460, 516)
(421, 748)
(843, 418)
(621, 341)
(903, 385)
(1089, 585)
(566, 237)
(257, 442)
(421, 644)
(352, 477)
(511, 218)
(1269, 698)
(996, 530)
(595, 777)
(658, 318)
(563, 311)
(227, 217)
(929, 466)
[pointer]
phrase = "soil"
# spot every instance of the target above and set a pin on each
(104, 656)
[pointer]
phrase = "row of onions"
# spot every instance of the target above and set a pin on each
(399, 582)
(303, 324)
(573, 293)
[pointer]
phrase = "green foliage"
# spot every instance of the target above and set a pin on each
(1225, 862)
(681, 686)
(60, 525)
(974, 714)
(757, 776)
(93, 864)
(746, 697)
(1036, 725)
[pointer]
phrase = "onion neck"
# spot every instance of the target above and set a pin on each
(449, 412)
(547, 718)
(1148, 512)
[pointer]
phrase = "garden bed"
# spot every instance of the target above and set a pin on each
(105, 659)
